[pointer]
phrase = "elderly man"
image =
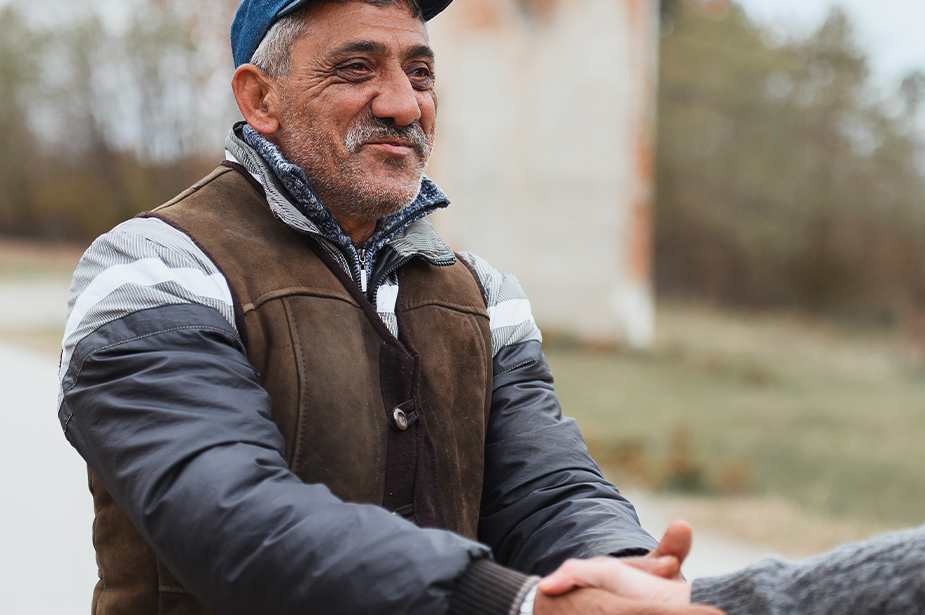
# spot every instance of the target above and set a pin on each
(293, 397)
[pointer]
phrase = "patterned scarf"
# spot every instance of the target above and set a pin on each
(293, 178)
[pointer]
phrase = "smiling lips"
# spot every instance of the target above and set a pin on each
(394, 146)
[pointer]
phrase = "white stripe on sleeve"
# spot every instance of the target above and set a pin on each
(146, 272)
(510, 313)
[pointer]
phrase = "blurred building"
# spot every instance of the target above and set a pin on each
(546, 148)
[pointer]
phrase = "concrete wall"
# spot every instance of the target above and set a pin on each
(545, 147)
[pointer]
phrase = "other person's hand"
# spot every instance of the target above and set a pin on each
(614, 576)
(597, 602)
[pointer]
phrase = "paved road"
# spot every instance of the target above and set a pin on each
(712, 554)
(48, 565)
(33, 303)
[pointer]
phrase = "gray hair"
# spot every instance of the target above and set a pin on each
(273, 55)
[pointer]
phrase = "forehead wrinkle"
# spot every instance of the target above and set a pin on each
(373, 47)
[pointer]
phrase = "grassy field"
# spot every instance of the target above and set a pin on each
(826, 419)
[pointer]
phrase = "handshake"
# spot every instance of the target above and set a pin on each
(650, 585)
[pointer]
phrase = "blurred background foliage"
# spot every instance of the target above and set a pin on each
(102, 120)
(786, 176)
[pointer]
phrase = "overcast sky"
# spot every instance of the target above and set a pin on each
(890, 30)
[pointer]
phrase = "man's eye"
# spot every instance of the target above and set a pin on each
(421, 76)
(353, 70)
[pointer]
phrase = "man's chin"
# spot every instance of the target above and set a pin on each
(392, 202)
(373, 200)
(399, 189)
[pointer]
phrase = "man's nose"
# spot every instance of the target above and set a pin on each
(397, 99)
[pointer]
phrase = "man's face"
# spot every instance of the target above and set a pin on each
(358, 110)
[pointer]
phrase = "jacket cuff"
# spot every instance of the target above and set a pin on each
(487, 588)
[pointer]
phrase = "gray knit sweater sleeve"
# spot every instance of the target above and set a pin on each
(881, 576)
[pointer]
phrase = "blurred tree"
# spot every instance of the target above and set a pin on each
(783, 179)
(19, 60)
(114, 123)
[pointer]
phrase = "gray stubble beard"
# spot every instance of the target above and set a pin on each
(360, 197)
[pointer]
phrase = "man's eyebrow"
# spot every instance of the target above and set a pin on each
(373, 47)
(420, 51)
(377, 48)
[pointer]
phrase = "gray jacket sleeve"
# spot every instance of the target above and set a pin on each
(885, 575)
(544, 498)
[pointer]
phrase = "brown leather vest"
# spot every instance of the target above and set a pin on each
(399, 423)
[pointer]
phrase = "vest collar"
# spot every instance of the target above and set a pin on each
(294, 203)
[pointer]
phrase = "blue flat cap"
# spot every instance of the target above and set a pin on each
(255, 18)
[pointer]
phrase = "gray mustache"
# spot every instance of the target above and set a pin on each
(374, 128)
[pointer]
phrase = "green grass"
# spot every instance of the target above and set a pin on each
(829, 417)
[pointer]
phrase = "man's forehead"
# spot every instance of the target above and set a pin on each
(358, 27)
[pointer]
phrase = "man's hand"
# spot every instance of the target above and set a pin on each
(666, 560)
(597, 602)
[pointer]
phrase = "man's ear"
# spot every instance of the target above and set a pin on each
(257, 98)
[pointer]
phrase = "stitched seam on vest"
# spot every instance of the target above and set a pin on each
(475, 276)
(485, 344)
(205, 181)
(474, 310)
(301, 422)
(295, 291)
(479, 334)
(135, 339)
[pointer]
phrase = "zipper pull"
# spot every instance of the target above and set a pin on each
(363, 282)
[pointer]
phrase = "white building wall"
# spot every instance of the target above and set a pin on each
(545, 147)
